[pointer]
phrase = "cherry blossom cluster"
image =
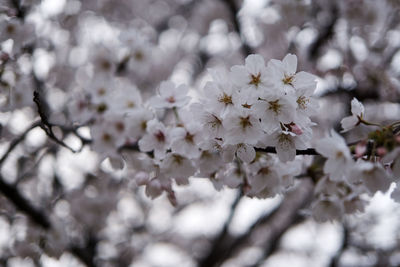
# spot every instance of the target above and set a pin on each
(223, 134)
(349, 177)
(217, 135)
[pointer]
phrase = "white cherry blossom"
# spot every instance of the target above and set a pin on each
(264, 179)
(251, 77)
(286, 143)
(275, 110)
(357, 111)
(324, 210)
(219, 93)
(186, 140)
(370, 175)
(242, 126)
(177, 167)
(210, 120)
(156, 139)
(338, 156)
(170, 96)
(283, 77)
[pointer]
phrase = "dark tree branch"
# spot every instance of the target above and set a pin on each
(287, 209)
(20, 10)
(87, 253)
(232, 244)
(325, 34)
(43, 111)
(308, 151)
(12, 194)
(218, 247)
(345, 243)
(234, 10)
(287, 216)
(357, 92)
(16, 141)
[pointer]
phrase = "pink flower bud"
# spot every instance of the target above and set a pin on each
(4, 56)
(381, 151)
(361, 148)
(296, 129)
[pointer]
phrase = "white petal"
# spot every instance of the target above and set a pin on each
(396, 168)
(396, 193)
(146, 144)
(286, 151)
(153, 188)
(377, 180)
(182, 90)
(324, 147)
(348, 123)
(255, 63)
(228, 153)
(305, 82)
(290, 64)
(357, 107)
(166, 87)
(246, 153)
(157, 102)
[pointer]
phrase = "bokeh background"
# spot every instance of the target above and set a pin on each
(99, 216)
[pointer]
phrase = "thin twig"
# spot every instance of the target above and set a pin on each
(45, 124)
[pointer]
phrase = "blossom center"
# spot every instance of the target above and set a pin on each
(264, 171)
(130, 104)
(205, 155)
(339, 154)
(177, 159)
(275, 106)
(106, 137)
(10, 29)
(143, 125)
(215, 122)
(101, 91)
(138, 56)
(101, 107)
(160, 136)
(245, 122)
(119, 126)
(246, 105)
(105, 65)
(189, 138)
(171, 99)
(302, 101)
(288, 79)
(226, 99)
(255, 79)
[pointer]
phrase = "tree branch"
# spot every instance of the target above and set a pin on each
(286, 217)
(16, 141)
(325, 34)
(308, 151)
(43, 113)
(234, 10)
(12, 194)
(216, 252)
(345, 243)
